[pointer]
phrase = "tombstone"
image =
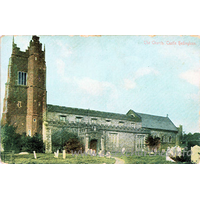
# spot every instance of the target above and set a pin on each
(23, 153)
(101, 153)
(123, 150)
(108, 155)
(34, 155)
(90, 151)
(178, 151)
(64, 154)
(195, 154)
(168, 153)
(56, 154)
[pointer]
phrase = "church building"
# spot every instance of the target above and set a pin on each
(25, 106)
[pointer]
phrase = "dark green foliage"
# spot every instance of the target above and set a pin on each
(74, 144)
(10, 139)
(14, 141)
(60, 139)
(189, 140)
(30, 144)
(152, 142)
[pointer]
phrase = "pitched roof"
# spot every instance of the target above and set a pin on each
(148, 121)
(88, 112)
(157, 122)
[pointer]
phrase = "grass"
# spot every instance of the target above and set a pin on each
(147, 159)
(43, 158)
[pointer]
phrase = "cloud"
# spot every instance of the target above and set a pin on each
(192, 76)
(93, 87)
(131, 83)
(65, 50)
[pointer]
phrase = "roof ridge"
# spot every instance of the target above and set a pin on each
(151, 115)
(87, 109)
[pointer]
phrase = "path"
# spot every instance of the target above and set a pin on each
(119, 161)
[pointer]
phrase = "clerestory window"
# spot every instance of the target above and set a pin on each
(22, 76)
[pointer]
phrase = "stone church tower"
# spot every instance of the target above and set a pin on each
(25, 94)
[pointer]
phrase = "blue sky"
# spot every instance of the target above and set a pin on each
(118, 73)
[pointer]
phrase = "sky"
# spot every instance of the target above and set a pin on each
(156, 75)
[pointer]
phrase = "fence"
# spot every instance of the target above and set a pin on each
(8, 157)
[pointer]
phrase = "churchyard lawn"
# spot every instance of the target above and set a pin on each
(43, 158)
(148, 159)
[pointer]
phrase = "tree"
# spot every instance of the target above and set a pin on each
(74, 144)
(31, 144)
(10, 139)
(60, 139)
(152, 142)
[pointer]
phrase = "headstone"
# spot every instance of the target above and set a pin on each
(168, 153)
(34, 155)
(56, 154)
(178, 151)
(23, 153)
(101, 153)
(195, 154)
(108, 155)
(90, 151)
(93, 153)
(123, 150)
(64, 154)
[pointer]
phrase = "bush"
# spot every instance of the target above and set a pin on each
(74, 144)
(14, 141)
(152, 143)
(60, 139)
(31, 144)
(10, 139)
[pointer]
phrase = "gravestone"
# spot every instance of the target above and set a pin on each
(34, 155)
(168, 153)
(108, 155)
(195, 154)
(64, 154)
(56, 154)
(123, 150)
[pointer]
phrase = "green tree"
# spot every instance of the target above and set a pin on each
(60, 139)
(31, 144)
(10, 139)
(152, 142)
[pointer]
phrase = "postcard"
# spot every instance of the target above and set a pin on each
(100, 99)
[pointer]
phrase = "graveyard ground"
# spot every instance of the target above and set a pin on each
(148, 159)
(43, 158)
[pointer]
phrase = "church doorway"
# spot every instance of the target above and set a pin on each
(93, 145)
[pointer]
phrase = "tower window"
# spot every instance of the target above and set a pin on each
(22, 76)
(19, 104)
(34, 120)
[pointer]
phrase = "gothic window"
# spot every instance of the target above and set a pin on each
(170, 138)
(63, 118)
(22, 76)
